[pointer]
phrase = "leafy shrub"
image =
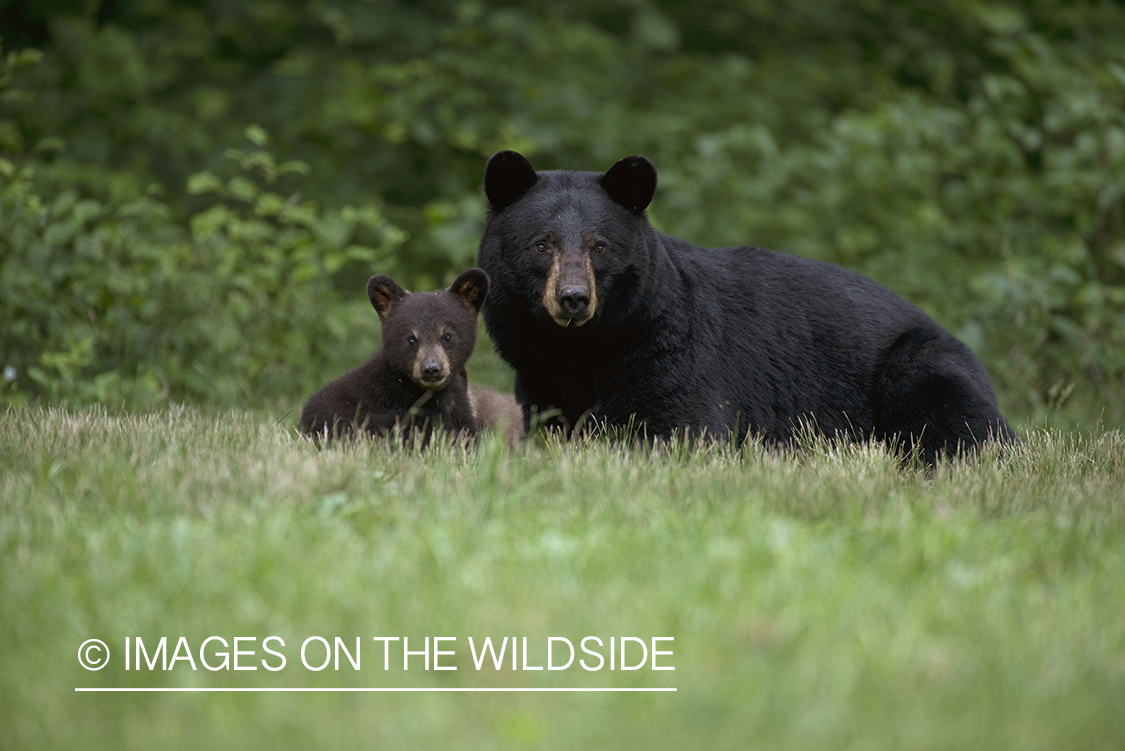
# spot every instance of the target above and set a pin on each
(261, 296)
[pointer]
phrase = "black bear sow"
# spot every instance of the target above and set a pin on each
(417, 379)
(606, 319)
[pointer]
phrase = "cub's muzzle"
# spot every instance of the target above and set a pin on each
(431, 367)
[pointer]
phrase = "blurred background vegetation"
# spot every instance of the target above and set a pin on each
(193, 192)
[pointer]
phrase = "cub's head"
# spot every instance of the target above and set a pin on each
(428, 336)
(562, 243)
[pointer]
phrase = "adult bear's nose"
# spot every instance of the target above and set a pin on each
(574, 300)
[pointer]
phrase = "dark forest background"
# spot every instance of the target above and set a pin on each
(193, 193)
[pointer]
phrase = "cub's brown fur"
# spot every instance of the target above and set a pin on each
(417, 379)
(497, 412)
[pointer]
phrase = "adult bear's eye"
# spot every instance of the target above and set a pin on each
(599, 248)
(541, 247)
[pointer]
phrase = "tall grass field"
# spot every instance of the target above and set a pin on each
(817, 598)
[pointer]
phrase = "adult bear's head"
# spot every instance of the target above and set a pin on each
(563, 245)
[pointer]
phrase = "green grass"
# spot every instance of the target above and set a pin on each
(823, 598)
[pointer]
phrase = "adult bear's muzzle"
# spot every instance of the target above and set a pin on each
(571, 295)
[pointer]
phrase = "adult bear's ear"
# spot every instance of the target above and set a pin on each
(631, 182)
(472, 286)
(385, 294)
(507, 176)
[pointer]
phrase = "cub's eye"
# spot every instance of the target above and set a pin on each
(599, 248)
(541, 247)
(448, 338)
(411, 341)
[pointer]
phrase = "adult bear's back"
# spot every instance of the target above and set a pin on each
(799, 338)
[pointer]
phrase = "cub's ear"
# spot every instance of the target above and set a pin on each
(507, 176)
(385, 294)
(631, 182)
(472, 286)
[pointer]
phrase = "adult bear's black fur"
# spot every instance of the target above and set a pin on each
(604, 318)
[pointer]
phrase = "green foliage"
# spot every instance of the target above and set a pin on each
(970, 156)
(114, 302)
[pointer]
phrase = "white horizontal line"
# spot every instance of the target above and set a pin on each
(377, 690)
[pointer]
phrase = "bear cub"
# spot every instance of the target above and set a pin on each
(417, 379)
